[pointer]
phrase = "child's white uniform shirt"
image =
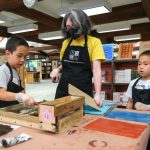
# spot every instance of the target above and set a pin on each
(142, 84)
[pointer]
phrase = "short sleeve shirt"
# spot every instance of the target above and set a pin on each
(95, 48)
(5, 76)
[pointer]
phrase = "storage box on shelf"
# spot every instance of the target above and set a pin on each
(127, 65)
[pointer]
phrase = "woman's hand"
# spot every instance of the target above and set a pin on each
(97, 98)
(55, 75)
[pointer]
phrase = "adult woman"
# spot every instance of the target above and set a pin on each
(80, 55)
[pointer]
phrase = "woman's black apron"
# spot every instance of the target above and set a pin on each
(140, 95)
(11, 87)
(76, 70)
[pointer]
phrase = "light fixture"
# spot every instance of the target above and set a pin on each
(111, 27)
(90, 7)
(51, 35)
(3, 42)
(2, 19)
(35, 44)
(22, 28)
(127, 37)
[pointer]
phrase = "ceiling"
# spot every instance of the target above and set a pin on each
(45, 15)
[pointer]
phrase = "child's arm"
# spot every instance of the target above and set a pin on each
(130, 104)
(142, 107)
(20, 97)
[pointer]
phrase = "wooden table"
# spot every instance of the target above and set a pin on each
(80, 138)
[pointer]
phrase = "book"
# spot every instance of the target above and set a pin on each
(125, 51)
(120, 98)
(109, 51)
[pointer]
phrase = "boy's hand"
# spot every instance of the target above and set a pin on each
(140, 106)
(25, 99)
(97, 98)
(29, 102)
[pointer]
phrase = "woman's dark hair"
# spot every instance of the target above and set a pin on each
(15, 41)
(80, 20)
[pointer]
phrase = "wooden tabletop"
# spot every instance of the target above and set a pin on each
(79, 137)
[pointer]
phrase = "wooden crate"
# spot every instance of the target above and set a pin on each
(54, 116)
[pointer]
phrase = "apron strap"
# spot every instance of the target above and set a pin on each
(11, 73)
(67, 47)
(136, 82)
(85, 44)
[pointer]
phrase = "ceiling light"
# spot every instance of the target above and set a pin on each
(51, 35)
(35, 44)
(91, 8)
(22, 28)
(2, 19)
(3, 42)
(127, 37)
(111, 27)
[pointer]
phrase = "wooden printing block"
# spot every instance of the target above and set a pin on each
(62, 113)
(54, 116)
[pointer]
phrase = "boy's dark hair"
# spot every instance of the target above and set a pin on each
(146, 52)
(15, 41)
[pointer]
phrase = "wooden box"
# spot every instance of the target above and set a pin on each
(54, 116)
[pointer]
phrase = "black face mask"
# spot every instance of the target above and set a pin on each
(74, 32)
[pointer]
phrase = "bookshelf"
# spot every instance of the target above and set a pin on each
(48, 66)
(46, 69)
(109, 85)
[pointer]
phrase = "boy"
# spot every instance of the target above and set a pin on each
(10, 84)
(138, 91)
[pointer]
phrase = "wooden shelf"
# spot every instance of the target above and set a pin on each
(106, 83)
(121, 83)
(125, 60)
(110, 67)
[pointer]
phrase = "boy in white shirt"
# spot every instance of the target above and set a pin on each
(138, 91)
(10, 83)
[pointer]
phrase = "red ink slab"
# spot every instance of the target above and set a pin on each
(117, 127)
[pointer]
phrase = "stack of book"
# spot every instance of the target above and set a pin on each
(125, 51)
(120, 98)
(123, 76)
(109, 51)
(103, 76)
